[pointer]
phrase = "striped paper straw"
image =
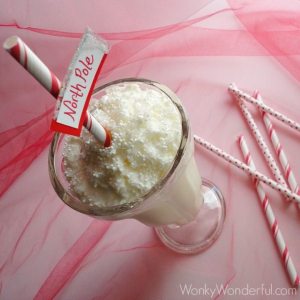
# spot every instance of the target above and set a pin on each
(29, 60)
(97, 130)
(237, 163)
(273, 224)
(288, 173)
(281, 117)
(261, 143)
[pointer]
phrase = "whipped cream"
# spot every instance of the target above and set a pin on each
(146, 133)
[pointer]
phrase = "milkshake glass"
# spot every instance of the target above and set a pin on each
(187, 213)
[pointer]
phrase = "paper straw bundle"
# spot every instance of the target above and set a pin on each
(261, 143)
(286, 182)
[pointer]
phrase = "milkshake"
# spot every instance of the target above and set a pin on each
(149, 172)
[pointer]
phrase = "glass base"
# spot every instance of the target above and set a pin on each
(203, 231)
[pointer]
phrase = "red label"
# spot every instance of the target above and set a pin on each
(85, 69)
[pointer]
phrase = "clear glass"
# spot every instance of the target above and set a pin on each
(187, 213)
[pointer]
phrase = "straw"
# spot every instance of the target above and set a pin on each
(288, 172)
(269, 215)
(281, 117)
(29, 60)
(237, 163)
(261, 143)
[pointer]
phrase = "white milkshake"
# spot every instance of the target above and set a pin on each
(147, 133)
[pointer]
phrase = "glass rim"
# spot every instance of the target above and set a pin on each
(136, 203)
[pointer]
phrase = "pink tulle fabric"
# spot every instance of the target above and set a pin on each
(195, 47)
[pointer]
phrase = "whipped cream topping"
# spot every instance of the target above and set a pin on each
(146, 134)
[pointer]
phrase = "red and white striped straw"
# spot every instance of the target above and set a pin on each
(30, 61)
(288, 172)
(273, 224)
(281, 117)
(260, 141)
(97, 130)
(237, 163)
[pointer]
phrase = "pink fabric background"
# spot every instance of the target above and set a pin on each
(195, 47)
